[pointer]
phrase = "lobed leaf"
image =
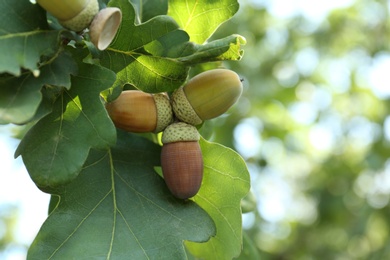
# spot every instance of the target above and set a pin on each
(147, 73)
(202, 17)
(25, 35)
(21, 96)
(119, 208)
(56, 147)
(225, 183)
(151, 8)
(155, 56)
(228, 48)
(176, 45)
(132, 64)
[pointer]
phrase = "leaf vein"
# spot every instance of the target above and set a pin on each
(79, 225)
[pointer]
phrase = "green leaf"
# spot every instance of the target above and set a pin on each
(21, 96)
(147, 73)
(249, 251)
(152, 8)
(201, 18)
(119, 208)
(55, 148)
(228, 48)
(155, 56)
(176, 45)
(249, 203)
(132, 63)
(24, 37)
(225, 183)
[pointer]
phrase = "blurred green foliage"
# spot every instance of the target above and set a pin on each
(7, 224)
(9, 242)
(314, 129)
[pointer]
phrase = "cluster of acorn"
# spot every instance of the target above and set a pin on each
(77, 15)
(205, 96)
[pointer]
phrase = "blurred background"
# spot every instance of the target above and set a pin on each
(314, 128)
(313, 125)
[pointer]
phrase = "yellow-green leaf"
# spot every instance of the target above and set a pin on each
(225, 182)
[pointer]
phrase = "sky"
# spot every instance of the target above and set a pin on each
(314, 11)
(17, 189)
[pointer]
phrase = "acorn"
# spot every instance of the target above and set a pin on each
(76, 15)
(140, 112)
(206, 96)
(181, 160)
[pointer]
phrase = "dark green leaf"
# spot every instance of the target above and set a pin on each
(21, 96)
(119, 208)
(24, 37)
(55, 149)
(173, 45)
(21, 16)
(54, 200)
(152, 8)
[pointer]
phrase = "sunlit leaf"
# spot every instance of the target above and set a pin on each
(226, 182)
(155, 56)
(249, 251)
(132, 64)
(176, 45)
(201, 18)
(228, 48)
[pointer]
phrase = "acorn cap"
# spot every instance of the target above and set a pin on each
(180, 132)
(83, 19)
(183, 109)
(105, 26)
(164, 112)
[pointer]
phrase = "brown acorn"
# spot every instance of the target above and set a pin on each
(140, 112)
(181, 160)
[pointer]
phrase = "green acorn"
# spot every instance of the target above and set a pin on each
(206, 96)
(75, 15)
